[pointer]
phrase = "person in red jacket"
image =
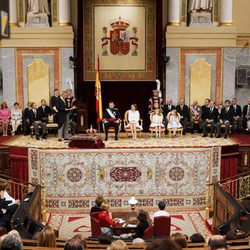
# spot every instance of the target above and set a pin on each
(104, 219)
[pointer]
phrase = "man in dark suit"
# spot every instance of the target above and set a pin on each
(225, 117)
(62, 117)
(204, 109)
(168, 107)
(111, 119)
(210, 117)
(53, 104)
(236, 113)
(36, 122)
(183, 110)
(26, 121)
(43, 113)
(246, 116)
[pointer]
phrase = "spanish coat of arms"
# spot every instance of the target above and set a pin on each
(119, 38)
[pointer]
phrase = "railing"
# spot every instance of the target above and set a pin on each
(227, 212)
(28, 217)
(238, 186)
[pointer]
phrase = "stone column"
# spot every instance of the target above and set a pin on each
(226, 13)
(13, 12)
(64, 13)
(174, 12)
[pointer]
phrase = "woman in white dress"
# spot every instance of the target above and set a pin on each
(133, 120)
(16, 117)
(174, 121)
(157, 122)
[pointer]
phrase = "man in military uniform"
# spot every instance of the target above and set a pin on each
(195, 115)
(111, 119)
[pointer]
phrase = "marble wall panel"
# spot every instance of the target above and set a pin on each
(9, 76)
(172, 75)
(67, 70)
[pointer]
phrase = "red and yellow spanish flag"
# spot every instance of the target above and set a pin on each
(98, 93)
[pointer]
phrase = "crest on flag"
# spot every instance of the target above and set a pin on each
(120, 38)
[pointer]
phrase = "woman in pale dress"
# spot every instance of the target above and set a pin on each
(174, 121)
(16, 117)
(133, 119)
(157, 122)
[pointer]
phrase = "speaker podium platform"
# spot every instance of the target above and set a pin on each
(90, 141)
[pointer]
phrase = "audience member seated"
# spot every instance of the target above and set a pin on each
(156, 119)
(16, 118)
(4, 118)
(46, 238)
(111, 119)
(118, 245)
(183, 110)
(195, 115)
(225, 118)
(164, 244)
(98, 202)
(35, 121)
(210, 118)
(173, 122)
(133, 120)
(168, 107)
(161, 212)
(75, 243)
(71, 104)
(142, 225)
(105, 221)
(179, 239)
(12, 241)
(216, 242)
(197, 238)
(236, 114)
(246, 116)
(43, 113)
(26, 121)
(138, 241)
(8, 206)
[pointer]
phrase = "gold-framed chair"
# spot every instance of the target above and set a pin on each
(49, 126)
(128, 130)
(178, 130)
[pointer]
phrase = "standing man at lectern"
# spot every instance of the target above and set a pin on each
(111, 119)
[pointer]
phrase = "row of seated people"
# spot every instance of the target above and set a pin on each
(178, 117)
(37, 117)
(47, 240)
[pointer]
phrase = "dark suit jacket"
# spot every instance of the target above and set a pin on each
(211, 115)
(26, 114)
(226, 115)
(183, 112)
(53, 101)
(62, 113)
(32, 116)
(42, 115)
(166, 110)
(204, 109)
(237, 111)
(245, 110)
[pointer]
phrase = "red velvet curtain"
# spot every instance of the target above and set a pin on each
(228, 167)
(19, 170)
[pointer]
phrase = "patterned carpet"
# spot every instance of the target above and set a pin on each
(183, 222)
(189, 140)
